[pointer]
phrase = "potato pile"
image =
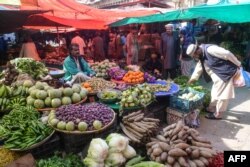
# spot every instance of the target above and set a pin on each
(178, 145)
(138, 128)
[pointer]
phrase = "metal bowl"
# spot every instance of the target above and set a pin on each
(56, 73)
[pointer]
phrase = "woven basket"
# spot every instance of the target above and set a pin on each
(35, 145)
(174, 116)
(48, 109)
(87, 132)
(75, 143)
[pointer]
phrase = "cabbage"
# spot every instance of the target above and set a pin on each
(129, 152)
(88, 162)
(115, 159)
(98, 150)
(117, 142)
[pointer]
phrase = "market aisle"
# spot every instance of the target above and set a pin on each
(233, 132)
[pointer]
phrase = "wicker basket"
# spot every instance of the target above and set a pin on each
(87, 132)
(174, 116)
(48, 148)
(35, 145)
(75, 141)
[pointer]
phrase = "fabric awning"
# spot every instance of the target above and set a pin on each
(52, 21)
(230, 13)
(168, 16)
(10, 20)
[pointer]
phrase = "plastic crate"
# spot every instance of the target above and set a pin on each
(47, 149)
(186, 105)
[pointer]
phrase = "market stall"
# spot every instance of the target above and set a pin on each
(41, 115)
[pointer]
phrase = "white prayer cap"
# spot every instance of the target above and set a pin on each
(191, 49)
(169, 25)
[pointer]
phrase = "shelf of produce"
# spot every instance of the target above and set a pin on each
(48, 109)
(117, 82)
(87, 132)
(35, 145)
(174, 89)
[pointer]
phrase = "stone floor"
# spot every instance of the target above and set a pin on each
(233, 132)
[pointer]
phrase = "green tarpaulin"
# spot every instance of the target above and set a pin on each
(162, 17)
(231, 13)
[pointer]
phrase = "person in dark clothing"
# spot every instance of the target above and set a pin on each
(154, 65)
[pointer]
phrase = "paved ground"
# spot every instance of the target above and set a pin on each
(233, 132)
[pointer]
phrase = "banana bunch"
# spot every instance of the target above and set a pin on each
(5, 91)
(4, 104)
(17, 101)
(20, 91)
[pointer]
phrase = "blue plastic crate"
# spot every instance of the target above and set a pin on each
(186, 105)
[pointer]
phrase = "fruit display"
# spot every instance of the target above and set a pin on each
(5, 91)
(98, 84)
(35, 69)
(160, 87)
(122, 86)
(179, 145)
(87, 86)
(139, 128)
(116, 73)
(7, 156)
(149, 78)
(69, 160)
(114, 151)
(109, 95)
(9, 75)
(56, 83)
(140, 95)
(88, 117)
(13, 96)
(21, 128)
(133, 77)
(41, 95)
(101, 68)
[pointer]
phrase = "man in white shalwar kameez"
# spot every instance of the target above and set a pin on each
(220, 65)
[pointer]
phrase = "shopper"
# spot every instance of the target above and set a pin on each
(132, 46)
(220, 66)
(98, 47)
(29, 49)
(75, 67)
(80, 41)
(187, 63)
(170, 51)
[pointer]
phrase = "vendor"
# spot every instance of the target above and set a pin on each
(75, 67)
(220, 66)
(153, 65)
(29, 49)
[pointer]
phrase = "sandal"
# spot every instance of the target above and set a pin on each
(212, 116)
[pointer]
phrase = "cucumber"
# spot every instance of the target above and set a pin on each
(134, 161)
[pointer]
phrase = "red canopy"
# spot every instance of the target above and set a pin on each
(71, 13)
(47, 20)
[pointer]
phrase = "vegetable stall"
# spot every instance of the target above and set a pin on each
(127, 123)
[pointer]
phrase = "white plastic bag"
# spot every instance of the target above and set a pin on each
(238, 80)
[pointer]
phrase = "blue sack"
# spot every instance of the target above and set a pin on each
(246, 76)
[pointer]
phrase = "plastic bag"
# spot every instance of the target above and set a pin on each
(238, 80)
(246, 76)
